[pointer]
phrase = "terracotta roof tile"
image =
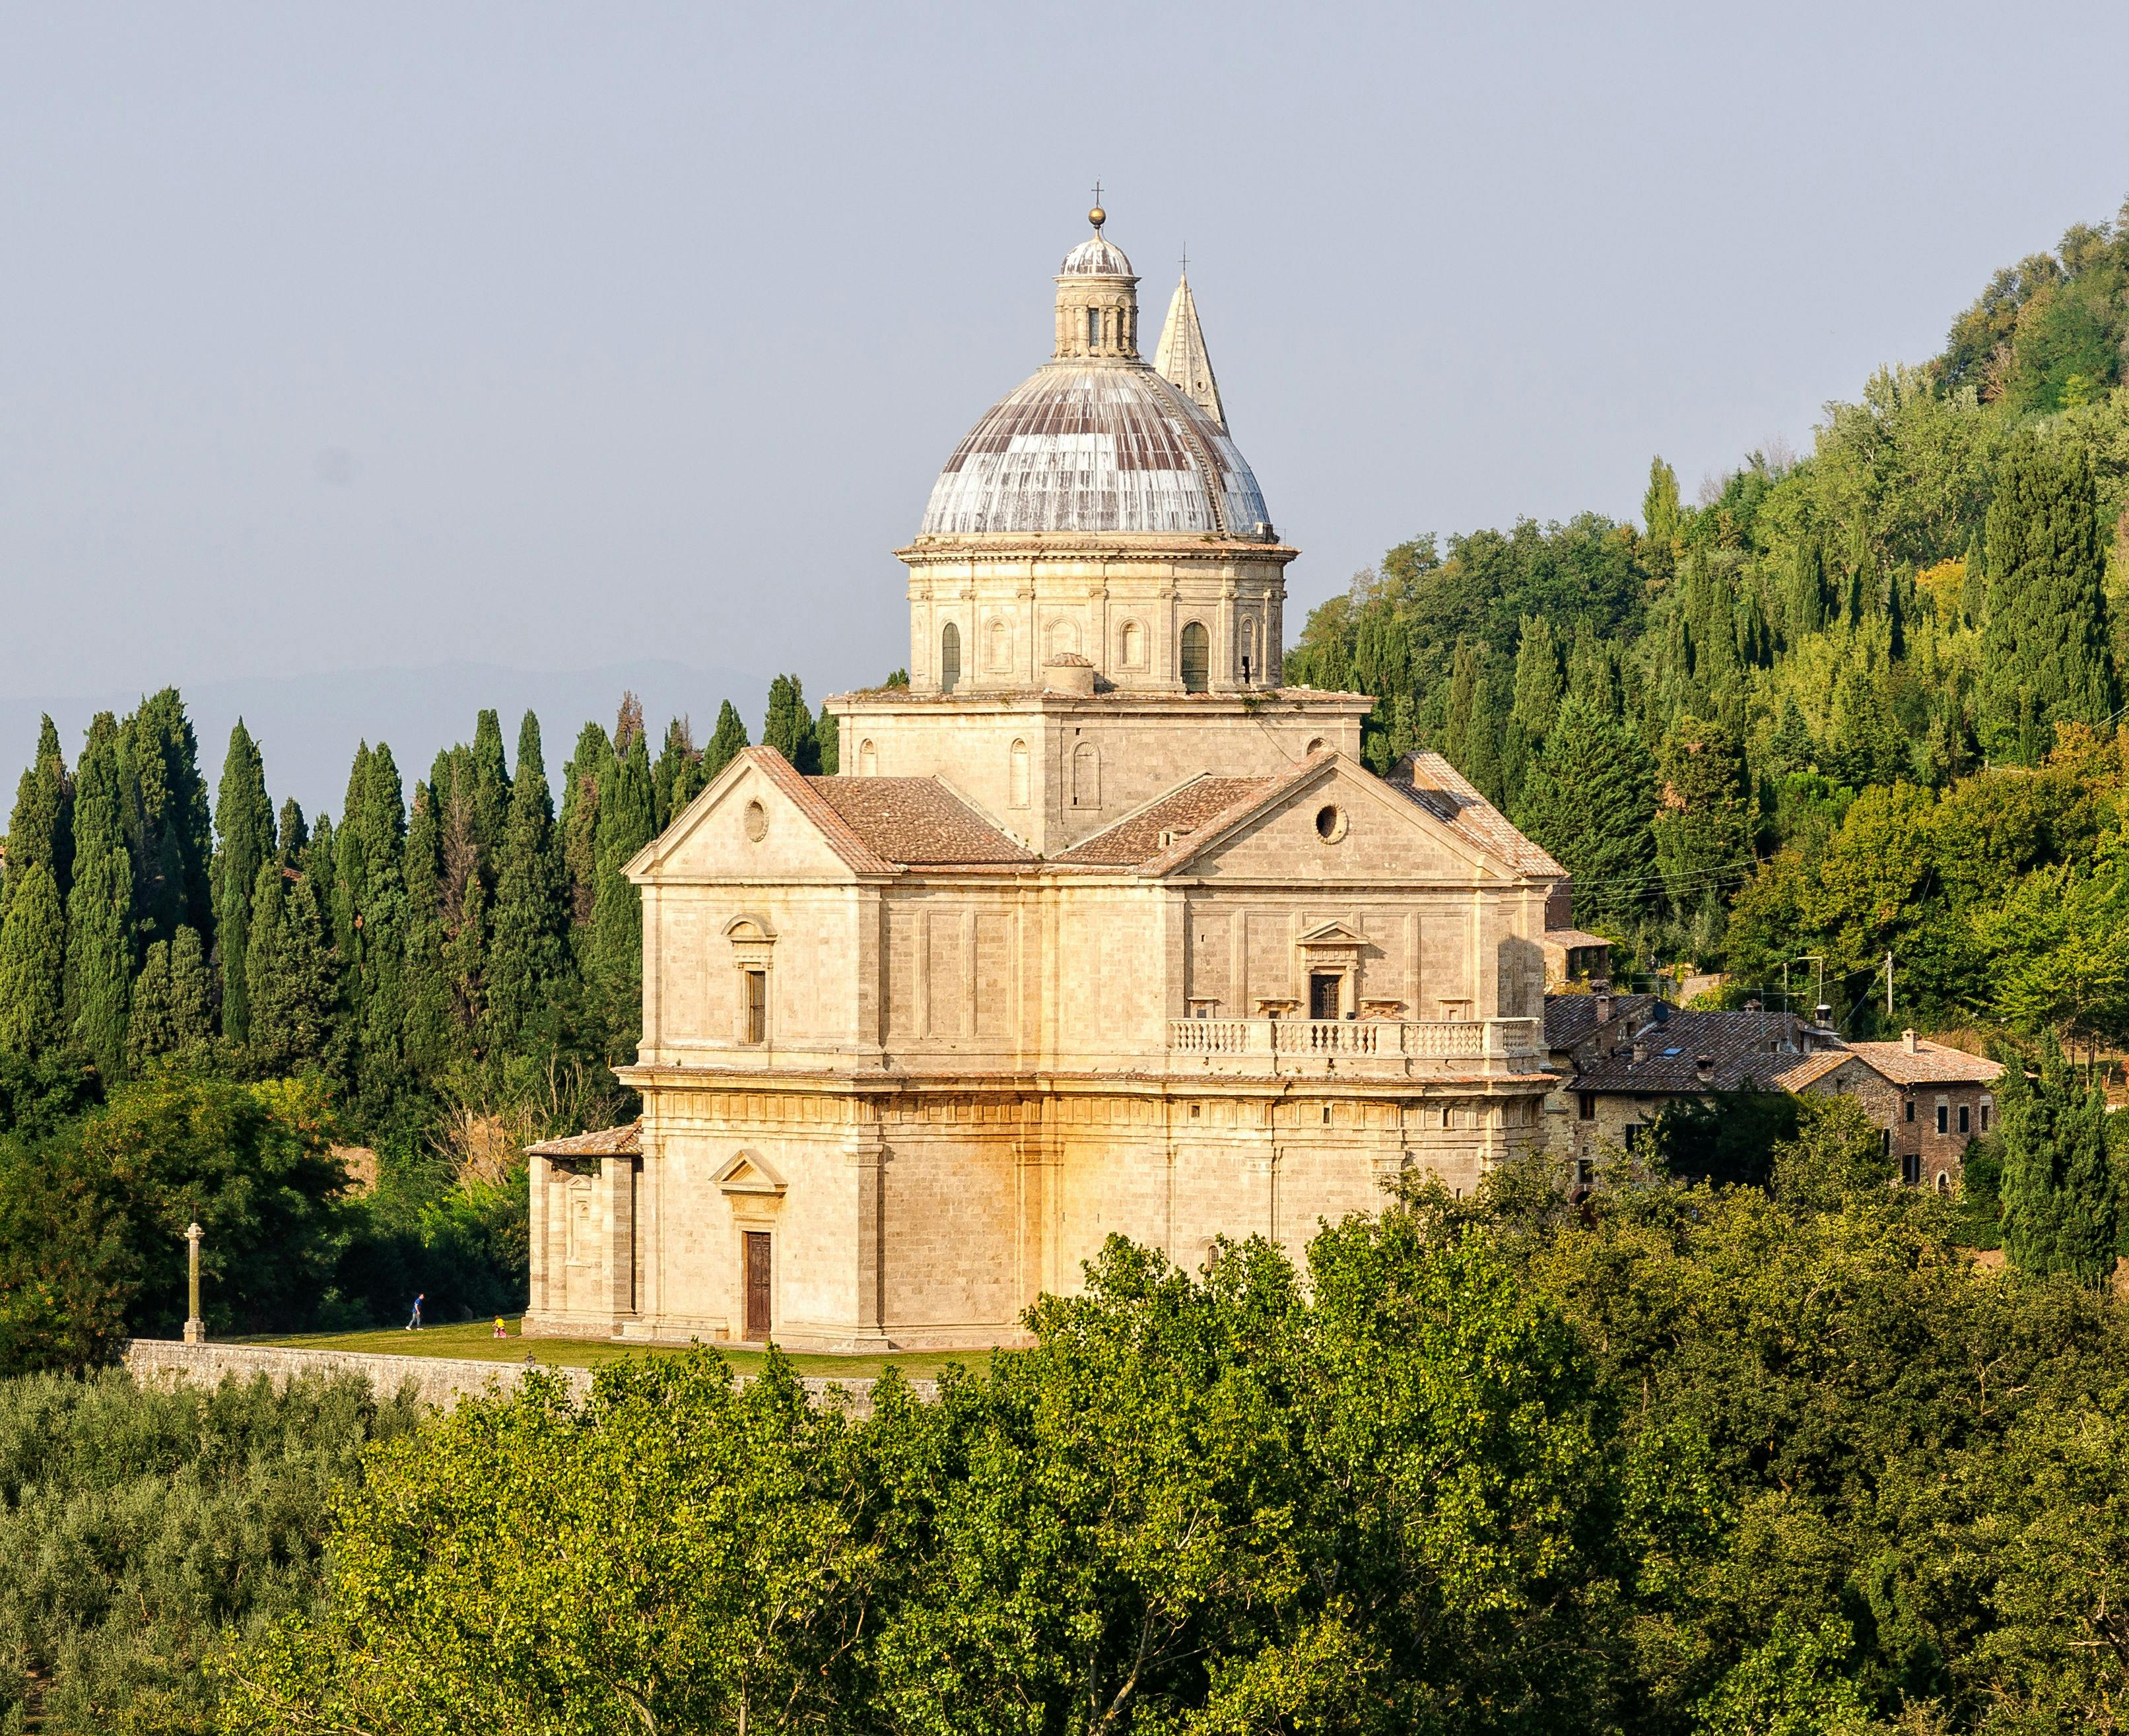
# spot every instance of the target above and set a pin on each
(1932, 1064)
(1810, 1070)
(855, 852)
(1443, 790)
(1571, 1020)
(916, 822)
(608, 1142)
(1137, 837)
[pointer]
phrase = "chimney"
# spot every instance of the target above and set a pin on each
(1704, 1068)
(1753, 1006)
(1907, 1042)
(1641, 1053)
(1603, 1009)
(1822, 1015)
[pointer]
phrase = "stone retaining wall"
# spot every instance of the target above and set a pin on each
(438, 1382)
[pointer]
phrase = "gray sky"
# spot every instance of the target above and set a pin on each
(385, 336)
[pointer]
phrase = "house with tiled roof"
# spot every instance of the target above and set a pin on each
(1931, 1100)
(1099, 929)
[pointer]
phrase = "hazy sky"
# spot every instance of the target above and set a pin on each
(379, 335)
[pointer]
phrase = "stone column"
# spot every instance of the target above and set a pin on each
(617, 1260)
(539, 1179)
(195, 1327)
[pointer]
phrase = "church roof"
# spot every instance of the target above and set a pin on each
(625, 1141)
(1444, 792)
(916, 822)
(1153, 829)
(1095, 257)
(1096, 446)
(1181, 359)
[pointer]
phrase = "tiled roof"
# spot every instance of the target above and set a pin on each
(1439, 787)
(608, 1142)
(1932, 1064)
(1570, 1019)
(1137, 837)
(1810, 1070)
(1737, 1046)
(856, 854)
(917, 822)
(1573, 938)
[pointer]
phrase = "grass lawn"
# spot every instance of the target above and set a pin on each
(476, 1339)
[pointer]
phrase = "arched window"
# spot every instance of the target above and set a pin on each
(1197, 658)
(867, 759)
(1019, 774)
(1086, 776)
(1063, 636)
(1001, 645)
(1130, 645)
(1252, 664)
(949, 658)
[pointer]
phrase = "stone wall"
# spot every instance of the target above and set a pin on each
(439, 1383)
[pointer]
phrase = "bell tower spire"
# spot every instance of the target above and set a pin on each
(1181, 359)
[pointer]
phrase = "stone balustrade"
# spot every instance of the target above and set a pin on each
(1362, 1047)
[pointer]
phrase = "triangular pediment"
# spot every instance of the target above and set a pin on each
(758, 819)
(1336, 821)
(749, 1172)
(1333, 934)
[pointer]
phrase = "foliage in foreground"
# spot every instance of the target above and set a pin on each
(139, 1529)
(1685, 1459)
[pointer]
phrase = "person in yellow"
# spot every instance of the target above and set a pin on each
(500, 1331)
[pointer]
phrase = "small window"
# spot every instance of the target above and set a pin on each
(1984, 1118)
(1911, 1109)
(1197, 658)
(1446, 1112)
(949, 658)
(1331, 824)
(1327, 1115)
(1944, 1180)
(1093, 328)
(1943, 1119)
(1633, 1134)
(1910, 1169)
(757, 1006)
(1963, 1113)
(1585, 1106)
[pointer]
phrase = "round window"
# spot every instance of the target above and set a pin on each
(757, 822)
(1331, 824)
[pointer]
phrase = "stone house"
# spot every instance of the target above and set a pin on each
(1099, 930)
(1930, 1102)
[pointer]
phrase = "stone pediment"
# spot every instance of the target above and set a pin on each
(749, 1172)
(758, 819)
(1332, 936)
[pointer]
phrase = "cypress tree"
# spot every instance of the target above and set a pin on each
(1456, 724)
(291, 978)
(99, 969)
(430, 1046)
(294, 836)
(381, 840)
(1535, 703)
(674, 778)
(1588, 800)
(727, 744)
(463, 967)
(1592, 673)
(617, 947)
(1869, 745)
(40, 830)
(167, 810)
(1661, 512)
(2061, 1205)
(191, 989)
(828, 735)
(152, 1030)
(590, 770)
(243, 824)
(788, 728)
(33, 965)
(490, 791)
(529, 954)
(2045, 654)
(1702, 817)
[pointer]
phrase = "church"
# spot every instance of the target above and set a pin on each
(1100, 930)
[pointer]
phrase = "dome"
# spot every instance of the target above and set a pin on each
(1092, 447)
(1095, 258)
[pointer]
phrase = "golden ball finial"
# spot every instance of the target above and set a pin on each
(1098, 216)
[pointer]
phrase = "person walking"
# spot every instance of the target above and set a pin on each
(500, 1331)
(414, 1324)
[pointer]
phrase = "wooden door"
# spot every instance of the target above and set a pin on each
(757, 1283)
(1323, 995)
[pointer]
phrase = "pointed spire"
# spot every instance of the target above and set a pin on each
(1181, 359)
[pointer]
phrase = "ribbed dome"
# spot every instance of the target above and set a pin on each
(1095, 258)
(1096, 447)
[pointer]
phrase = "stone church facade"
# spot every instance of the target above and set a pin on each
(1099, 930)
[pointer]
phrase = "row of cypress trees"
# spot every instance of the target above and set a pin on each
(475, 932)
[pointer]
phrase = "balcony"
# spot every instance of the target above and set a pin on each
(1361, 1049)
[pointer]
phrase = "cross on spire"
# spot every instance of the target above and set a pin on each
(1186, 258)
